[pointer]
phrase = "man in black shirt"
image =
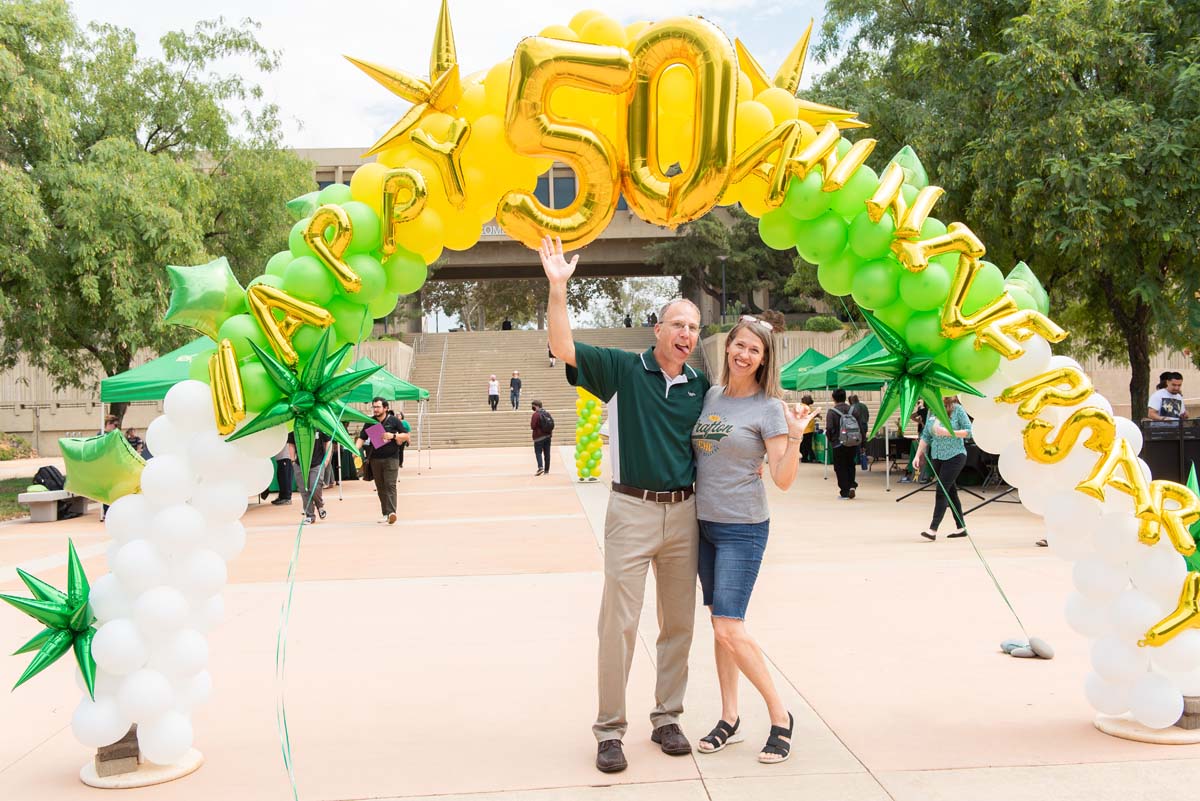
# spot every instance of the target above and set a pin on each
(385, 460)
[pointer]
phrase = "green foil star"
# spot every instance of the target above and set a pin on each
(104, 467)
(1193, 561)
(309, 399)
(68, 620)
(909, 375)
(204, 296)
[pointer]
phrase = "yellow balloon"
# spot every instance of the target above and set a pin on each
(603, 30)
(676, 91)
(745, 87)
(496, 88)
(559, 32)
(473, 103)
(485, 150)
(462, 231)
(780, 102)
(752, 194)
(581, 19)
(366, 185)
(754, 120)
(635, 29)
(424, 235)
(399, 155)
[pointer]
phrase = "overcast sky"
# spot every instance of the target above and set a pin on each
(326, 102)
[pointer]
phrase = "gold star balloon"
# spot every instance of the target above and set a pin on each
(104, 467)
(67, 617)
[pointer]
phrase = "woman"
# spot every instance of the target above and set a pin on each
(493, 392)
(947, 455)
(741, 421)
(807, 455)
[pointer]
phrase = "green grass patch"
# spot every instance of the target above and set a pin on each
(9, 488)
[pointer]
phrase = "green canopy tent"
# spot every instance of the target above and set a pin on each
(825, 375)
(810, 358)
(385, 385)
(152, 380)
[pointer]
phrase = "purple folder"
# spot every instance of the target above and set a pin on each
(375, 434)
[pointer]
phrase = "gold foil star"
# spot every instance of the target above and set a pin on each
(788, 78)
(441, 92)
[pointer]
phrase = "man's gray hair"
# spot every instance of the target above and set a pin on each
(662, 314)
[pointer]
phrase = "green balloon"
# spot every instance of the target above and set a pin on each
(277, 263)
(406, 272)
(374, 279)
(351, 321)
(383, 305)
(296, 244)
(198, 367)
(590, 404)
(876, 284)
(307, 338)
(872, 240)
(366, 227)
(805, 200)
(923, 333)
(837, 276)
(308, 279)
(334, 193)
(895, 316)
(1023, 298)
(969, 364)
(949, 261)
(909, 193)
(204, 295)
(104, 467)
(259, 390)
(927, 289)
(777, 229)
(584, 472)
(821, 239)
(851, 199)
(932, 227)
(268, 279)
(241, 330)
(843, 146)
(987, 286)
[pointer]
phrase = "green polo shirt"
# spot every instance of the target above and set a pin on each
(649, 422)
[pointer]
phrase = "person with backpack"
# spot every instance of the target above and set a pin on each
(542, 425)
(845, 437)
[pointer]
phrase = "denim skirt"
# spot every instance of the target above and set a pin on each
(730, 555)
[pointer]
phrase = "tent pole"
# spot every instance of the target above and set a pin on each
(887, 457)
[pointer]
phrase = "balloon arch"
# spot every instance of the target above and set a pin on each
(677, 119)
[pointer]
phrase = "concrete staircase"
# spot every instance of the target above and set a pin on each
(458, 415)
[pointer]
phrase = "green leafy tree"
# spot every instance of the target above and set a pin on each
(637, 297)
(1067, 134)
(480, 305)
(112, 166)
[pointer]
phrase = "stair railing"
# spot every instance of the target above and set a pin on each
(442, 373)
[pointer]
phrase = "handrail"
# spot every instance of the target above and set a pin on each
(442, 373)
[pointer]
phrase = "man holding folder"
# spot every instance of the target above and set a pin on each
(385, 437)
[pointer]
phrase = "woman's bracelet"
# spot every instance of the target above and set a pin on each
(794, 439)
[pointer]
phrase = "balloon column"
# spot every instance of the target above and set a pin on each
(588, 448)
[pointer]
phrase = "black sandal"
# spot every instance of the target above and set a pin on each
(722, 735)
(777, 746)
(321, 512)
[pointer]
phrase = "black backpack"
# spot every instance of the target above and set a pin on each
(545, 421)
(50, 477)
(849, 432)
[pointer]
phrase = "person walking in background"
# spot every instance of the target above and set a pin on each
(1167, 401)
(385, 464)
(514, 390)
(807, 456)
(285, 476)
(493, 392)
(312, 489)
(542, 425)
(863, 415)
(947, 455)
(844, 436)
(628, 321)
(550, 355)
(407, 429)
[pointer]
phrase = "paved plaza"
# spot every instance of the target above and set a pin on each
(453, 656)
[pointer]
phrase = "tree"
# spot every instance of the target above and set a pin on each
(636, 298)
(480, 305)
(1067, 134)
(113, 166)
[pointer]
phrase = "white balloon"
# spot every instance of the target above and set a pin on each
(1105, 696)
(110, 553)
(162, 438)
(178, 528)
(108, 599)
(994, 433)
(1073, 469)
(1132, 612)
(220, 502)
(160, 611)
(1158, 571)
(1117, 538)
(1057, 361)
(200, 574)
(1073, 510)
(208, 613)
(1180, 654)
(128, 517)
(145, 695)
(1088, 617)
(262, 444)
(99, 723)
(254, 474)
(184, 654)
(168, 480)
(105, 685)
(1130, 431)
(211, 455)
(1118, 661)
(139, 566)
(166, 740)
(227, 540)
(193, 691)
(1035, 498)
(1188, 683)
(118, 647)
(188, 405)
(1033, 361)
(1097, 579)
(1155, 702)
(1068, 543)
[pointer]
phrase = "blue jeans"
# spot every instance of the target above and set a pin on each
(541, 450)
(730, 555)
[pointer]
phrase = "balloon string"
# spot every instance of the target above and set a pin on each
(962, 525)
(285, 613)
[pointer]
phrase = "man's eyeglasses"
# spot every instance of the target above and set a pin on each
(746, 318)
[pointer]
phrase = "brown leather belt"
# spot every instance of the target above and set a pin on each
(666, 496)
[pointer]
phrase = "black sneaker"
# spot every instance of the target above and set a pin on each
(281, 502)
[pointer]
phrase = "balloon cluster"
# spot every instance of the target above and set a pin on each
(170, 545)
(588, 452)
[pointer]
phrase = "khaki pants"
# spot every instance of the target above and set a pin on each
(637, 534)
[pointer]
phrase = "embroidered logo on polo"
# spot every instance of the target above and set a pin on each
(707, 434)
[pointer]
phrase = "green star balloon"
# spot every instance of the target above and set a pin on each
(104, 467)
(303, 206)
(309, 399)
(909, 375)
(67, 617)
(204, 296)
(1193, 561)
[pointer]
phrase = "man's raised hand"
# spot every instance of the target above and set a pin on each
(557, 268)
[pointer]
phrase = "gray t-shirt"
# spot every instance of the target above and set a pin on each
(729, 441)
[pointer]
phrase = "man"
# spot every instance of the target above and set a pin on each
(628, 321)
(514, 390)
(651, 516)
(542, 426)
(844, 454)
(385, 459)
(1167, 402)
(863, 415)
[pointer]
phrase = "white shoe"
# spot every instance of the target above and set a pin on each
(383, 519)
